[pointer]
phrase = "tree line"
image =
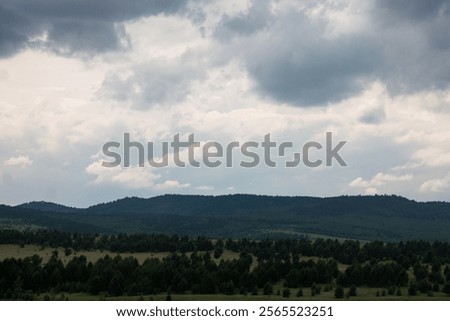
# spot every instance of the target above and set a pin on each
(406, 253)
(197, 266)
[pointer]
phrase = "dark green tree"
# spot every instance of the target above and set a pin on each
(339, 292)
(412, 289)
(352, 291)
(268, 289)
(446, 288)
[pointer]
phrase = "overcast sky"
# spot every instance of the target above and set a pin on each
(77, 74)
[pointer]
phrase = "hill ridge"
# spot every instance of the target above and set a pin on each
(384, 217)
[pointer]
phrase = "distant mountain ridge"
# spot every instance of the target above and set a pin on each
(254, 216)
(48, 206)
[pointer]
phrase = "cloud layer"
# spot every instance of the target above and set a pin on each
(74, 75)
(68, 27)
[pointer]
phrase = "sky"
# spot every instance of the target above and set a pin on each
(75, 75)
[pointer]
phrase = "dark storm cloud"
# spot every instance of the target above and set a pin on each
(72, 26)
(293, 59)
(314, 72)
(415, 36)
(439, 38)
(412, 9)
(14, 28)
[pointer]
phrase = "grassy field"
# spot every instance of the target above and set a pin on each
(16, 251)
(364, 294)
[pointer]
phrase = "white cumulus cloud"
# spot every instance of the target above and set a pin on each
(21, 161)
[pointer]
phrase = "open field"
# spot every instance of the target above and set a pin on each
(364, 294)
(19, 252)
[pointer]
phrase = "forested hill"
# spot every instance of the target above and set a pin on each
(252, 216)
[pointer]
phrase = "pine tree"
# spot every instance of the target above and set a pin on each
(352, 291)
(339, 292)
(286, 293)
(268, 289)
